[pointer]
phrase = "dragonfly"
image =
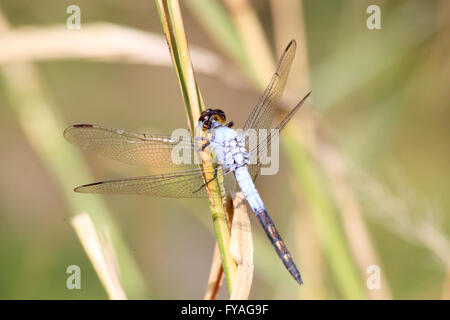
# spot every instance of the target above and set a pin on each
(188, 180)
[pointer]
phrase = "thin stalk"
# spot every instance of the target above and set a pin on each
(172, 22)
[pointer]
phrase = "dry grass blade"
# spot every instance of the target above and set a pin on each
(101, 254)
(99, 42)
(215, 276)
(241, 247)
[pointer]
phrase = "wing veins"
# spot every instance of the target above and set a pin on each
(278, 81)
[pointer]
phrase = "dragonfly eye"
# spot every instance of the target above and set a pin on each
(220, 115)
(204, 119)
(207, 117)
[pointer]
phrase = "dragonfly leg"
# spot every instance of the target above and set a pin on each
(211, 180)
(205, 145)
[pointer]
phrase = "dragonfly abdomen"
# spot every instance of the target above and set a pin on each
(278, 244)
(248, 188)
(254, 200)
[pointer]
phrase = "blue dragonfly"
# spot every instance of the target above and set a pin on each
(186, 180)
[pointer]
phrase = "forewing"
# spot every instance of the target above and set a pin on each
(183, 184)
(139, 149)
(261, 117)
(254, 169)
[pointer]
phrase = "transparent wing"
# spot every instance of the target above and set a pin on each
(182, 184)
(262, 115)
(254, 169)
(133, 148)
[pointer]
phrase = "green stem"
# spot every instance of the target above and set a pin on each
(172, 22)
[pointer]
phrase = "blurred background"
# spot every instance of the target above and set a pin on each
(365, 165)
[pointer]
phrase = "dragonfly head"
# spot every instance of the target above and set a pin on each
(209, 117)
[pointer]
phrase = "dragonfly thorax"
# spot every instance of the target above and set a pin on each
(229, 148)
